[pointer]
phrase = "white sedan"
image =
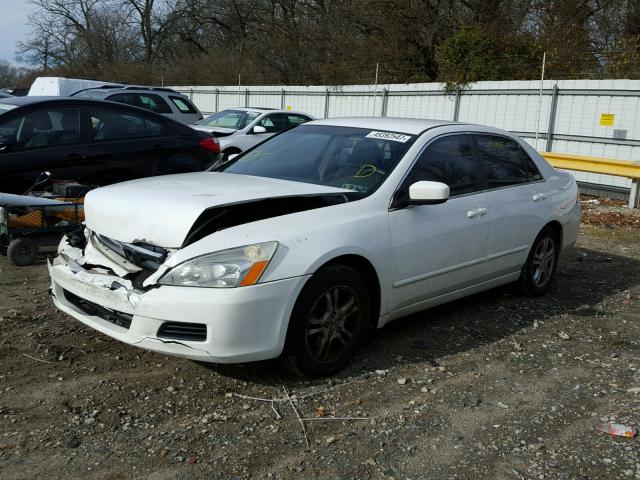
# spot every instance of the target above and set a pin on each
(239, 129)
(298, 246)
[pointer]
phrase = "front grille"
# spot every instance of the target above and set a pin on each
(143, 255)
(120, 319)
(195, 332)
(138, 278)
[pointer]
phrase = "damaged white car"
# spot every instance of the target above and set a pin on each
(301, 244)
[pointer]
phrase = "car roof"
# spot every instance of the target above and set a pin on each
(412, 126)
(53, 101)
(22, 101)
(107, 90)
(264, 110)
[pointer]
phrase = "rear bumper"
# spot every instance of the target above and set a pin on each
(571, 226)
(242, 324)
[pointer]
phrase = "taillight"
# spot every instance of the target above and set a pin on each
(211, 144)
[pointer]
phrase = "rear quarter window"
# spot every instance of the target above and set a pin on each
(183, 105)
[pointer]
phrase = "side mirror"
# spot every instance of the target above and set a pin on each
(428, 193)
(259, 129)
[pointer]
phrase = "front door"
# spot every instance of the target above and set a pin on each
(437, 249)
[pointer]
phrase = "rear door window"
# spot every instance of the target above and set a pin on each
(506, 163)
(295, 120)
(41, 129)
(183, 105)
(449, 160)
(110, 124)
(155, 103)
(127, 98)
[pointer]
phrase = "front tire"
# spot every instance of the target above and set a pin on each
(540, 269)
(328, 322)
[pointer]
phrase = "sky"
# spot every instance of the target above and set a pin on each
(13, 26)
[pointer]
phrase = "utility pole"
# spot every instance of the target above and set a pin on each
(375, 89)
(544, 61)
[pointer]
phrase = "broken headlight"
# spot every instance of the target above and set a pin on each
(236, 267)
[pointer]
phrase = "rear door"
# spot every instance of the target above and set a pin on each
(436, 249)
(126, 145)
(50, 139)
(517, 200)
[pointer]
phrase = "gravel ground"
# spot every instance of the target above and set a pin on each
(491, 387)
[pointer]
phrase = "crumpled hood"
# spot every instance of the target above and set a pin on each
(162, 210)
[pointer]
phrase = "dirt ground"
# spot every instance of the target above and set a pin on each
(495, 386)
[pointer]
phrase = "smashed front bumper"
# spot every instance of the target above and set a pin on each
(224, 325)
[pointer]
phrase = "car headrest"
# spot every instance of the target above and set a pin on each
(69, 121)
(40, 121)
(366, 152)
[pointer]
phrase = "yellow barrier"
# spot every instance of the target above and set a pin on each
(607, 166)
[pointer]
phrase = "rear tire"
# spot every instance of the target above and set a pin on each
(328, 322)
(22, 252)
(540, 269)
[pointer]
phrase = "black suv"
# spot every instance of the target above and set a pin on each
(93, 142)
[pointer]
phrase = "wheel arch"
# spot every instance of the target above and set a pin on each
(556, 226)
(369, 274)
(231, 149)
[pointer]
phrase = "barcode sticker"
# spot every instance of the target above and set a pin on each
(395, 137)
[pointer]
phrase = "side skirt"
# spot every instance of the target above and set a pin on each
(447, 297)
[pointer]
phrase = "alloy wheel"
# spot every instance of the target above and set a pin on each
(544, 260)
(333, 323)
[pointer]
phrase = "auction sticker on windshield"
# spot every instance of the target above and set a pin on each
(396, 137)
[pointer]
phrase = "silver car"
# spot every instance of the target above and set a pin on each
(239, 129)
(161, 100)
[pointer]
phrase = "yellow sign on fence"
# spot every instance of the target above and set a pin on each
(607, 119)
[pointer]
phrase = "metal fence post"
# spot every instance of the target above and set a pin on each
(385, 102)
(552, 118)
(191, 94)
(326, 104)
(456, 105)
(246, 97)
(282, 102)
(217, 100)
(634, 194)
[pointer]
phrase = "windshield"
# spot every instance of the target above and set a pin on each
(356, 159)
(233, 119)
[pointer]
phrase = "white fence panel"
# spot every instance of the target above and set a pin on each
(590, 117)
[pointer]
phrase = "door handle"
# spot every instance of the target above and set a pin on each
(75, 157)
(539, 196)
(476, 212)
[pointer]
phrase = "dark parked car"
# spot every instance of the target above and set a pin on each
(94, 142)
